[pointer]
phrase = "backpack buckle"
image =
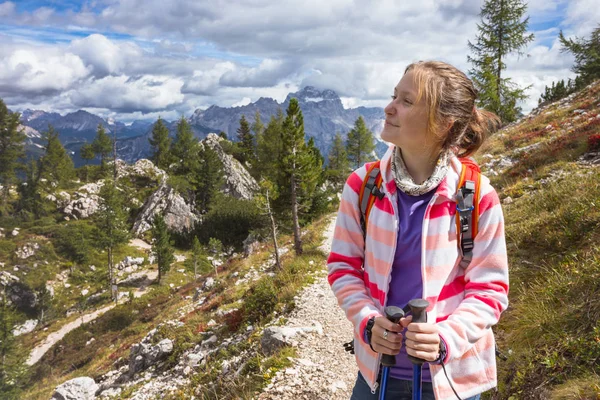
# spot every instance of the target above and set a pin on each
(378, 193)
(467, 245)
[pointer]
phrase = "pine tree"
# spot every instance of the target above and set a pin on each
(111, 226)
(269, 148)
(102, 145)
(293, 159)
(162, 246)
(30, 199)
(587, 56)
(86, 152)
(185, 149)
(338, 166)
(55, 165)
(359, 144)
(246, 141)
(502, 31)
(12, 142)
(196, 255)
(208, 179)
(161, 145)
(12, 367)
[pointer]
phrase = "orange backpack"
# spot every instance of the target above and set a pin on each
(467, 203)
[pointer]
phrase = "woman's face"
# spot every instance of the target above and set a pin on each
(405, 120)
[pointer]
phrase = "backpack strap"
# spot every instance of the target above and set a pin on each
(371, 185)
(467, 209)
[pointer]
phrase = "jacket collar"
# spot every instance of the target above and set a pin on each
(447, 187)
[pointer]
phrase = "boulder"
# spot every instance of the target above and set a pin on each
(144, 354)
(179, 216)
(82, 388)
(27, 327)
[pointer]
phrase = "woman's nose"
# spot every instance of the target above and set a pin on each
(389, 110)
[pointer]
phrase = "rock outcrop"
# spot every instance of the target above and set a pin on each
(179, 216)
(238, 182)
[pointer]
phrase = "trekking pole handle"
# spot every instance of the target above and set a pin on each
(393, 314)
(417, 309)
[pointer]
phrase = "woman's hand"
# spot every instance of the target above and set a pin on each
(392, 342)
(422, 339)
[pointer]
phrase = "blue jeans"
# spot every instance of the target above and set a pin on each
(396, 389)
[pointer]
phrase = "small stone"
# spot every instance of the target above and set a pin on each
(507, 200)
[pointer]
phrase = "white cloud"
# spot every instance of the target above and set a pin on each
(206, 82)
(102, 55)
(41, 70)
(147, 93)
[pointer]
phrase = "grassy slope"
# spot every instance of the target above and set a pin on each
(551, 331)
(118, 329)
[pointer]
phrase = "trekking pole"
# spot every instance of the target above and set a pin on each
(417, 309)
(393, 314)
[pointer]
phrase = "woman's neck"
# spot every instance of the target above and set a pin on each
(420, 165)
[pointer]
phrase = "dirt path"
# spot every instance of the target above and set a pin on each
(323, 370)
(54, 337)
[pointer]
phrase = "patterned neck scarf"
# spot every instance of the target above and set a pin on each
(406, 183)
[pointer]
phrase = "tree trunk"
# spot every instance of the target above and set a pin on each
(297, 239)
(499, 66)
(273, 232)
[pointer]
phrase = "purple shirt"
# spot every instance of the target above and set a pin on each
(406, 281)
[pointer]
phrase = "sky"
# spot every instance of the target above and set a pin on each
(140, 59)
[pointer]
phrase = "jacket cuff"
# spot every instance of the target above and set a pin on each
(446, 358)
(363, 327)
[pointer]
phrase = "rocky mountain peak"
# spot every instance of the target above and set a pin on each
(312, 94)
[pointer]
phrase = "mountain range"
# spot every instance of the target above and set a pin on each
(323, 111)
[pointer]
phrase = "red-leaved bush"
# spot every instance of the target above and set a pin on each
(594, 143)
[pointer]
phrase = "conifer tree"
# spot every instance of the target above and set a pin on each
(55, 165)
(359, 144)
(208, 178)
(587, 56)
(86, 152)
(196, 255)
(502, 31)
(269, 148)
(12, 142)
(185, 148)
(30, 199)
(111, 225)
(12, 367)
(161, 145)
(294, 158)
(102, 145)
(246, 140)
(338, 166)
(162, 246)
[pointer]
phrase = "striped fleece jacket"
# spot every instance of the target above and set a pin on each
(465, 303)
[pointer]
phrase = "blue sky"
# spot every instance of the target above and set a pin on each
(136, 59)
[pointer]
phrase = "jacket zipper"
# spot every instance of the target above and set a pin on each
(389, 275)
(424, 239)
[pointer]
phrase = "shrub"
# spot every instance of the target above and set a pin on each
(116, 319)
(594, 143)
(230, 221)
(261, 301)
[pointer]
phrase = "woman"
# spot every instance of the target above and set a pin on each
(410, 249)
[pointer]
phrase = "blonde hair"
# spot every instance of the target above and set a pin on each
(450, 97)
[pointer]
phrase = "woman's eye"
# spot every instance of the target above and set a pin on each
(394, 97)
(407, 101)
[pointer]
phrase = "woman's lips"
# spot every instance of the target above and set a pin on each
(389, 123)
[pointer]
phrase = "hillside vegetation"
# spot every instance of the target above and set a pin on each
(546, 170)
